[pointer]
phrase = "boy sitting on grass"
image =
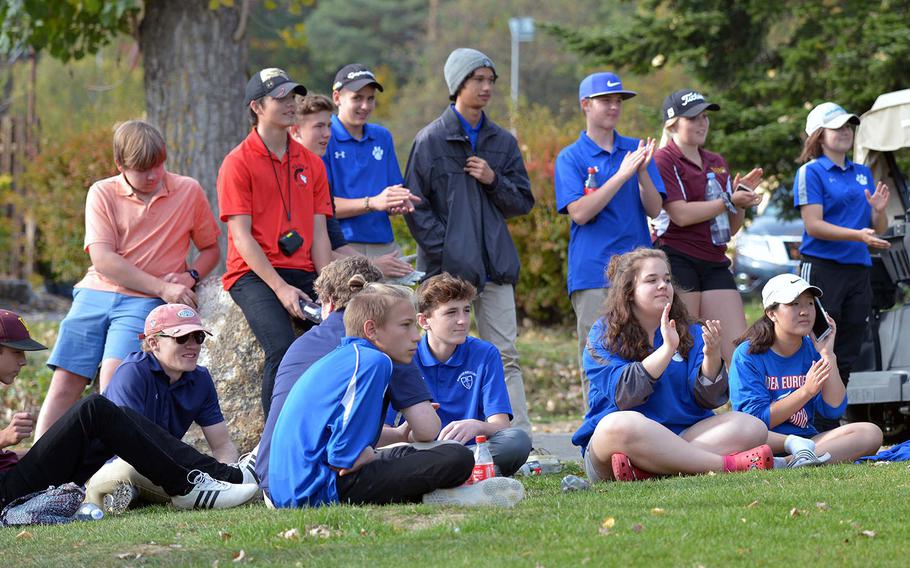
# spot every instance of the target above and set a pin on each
(164, 384)
(465, 374)
(323, 444)
(93, 431)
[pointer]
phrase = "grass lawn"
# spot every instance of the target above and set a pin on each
(837, 516)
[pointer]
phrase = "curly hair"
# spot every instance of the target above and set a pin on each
(623, 333)
(336, 282)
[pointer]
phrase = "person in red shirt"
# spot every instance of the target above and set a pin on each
(274, 197)
(701, 268)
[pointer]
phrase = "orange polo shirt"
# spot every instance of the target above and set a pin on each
(252, 181)
(155, 236)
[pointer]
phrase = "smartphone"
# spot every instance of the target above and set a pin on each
(311, 311)
(742, 187)
(821, 328)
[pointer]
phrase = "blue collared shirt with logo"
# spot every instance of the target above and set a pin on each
(362, 168)
(471, 384)
(142, 385)
(619, 227)
(841, 193)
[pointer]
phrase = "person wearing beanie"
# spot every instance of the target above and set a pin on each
(274, 196)
(94, 430)
(470, 177)
(610, 216)
(844, 211)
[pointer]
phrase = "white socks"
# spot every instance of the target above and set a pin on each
(794, 443)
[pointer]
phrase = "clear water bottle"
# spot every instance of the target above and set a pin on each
(591, 183)
(720, 225)
(483, 461)
(89, 512)
(574, 483)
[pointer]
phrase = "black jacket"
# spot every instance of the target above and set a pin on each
(460, 224)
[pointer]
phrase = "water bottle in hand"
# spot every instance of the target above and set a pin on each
(720, 225)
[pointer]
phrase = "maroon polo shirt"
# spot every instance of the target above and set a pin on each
(685, 180)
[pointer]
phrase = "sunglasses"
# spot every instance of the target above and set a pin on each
(198, 337)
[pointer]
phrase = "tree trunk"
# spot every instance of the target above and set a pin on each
(195, 75)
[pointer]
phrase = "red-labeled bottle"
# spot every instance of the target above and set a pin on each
(483, 462)
(590, 183)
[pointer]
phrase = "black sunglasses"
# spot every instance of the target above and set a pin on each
(198, 337)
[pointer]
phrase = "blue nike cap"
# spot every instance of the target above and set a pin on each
(600, 84)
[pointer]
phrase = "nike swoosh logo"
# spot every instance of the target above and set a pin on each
(616, 84)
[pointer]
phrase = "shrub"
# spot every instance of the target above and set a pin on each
(57, 183)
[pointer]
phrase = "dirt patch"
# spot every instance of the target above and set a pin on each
(416, 522)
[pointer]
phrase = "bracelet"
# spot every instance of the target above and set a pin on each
(728, 203)
(366, 203)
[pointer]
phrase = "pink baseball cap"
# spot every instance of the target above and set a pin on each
(14, 333)
(172, 320)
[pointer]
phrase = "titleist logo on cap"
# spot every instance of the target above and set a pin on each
(691, 98)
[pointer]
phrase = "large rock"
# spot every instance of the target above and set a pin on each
(234, 359)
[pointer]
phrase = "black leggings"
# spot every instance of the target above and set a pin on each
(93, 431)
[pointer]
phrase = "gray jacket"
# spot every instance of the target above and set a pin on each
(460, 224)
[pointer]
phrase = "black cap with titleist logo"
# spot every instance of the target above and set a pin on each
(354, 77)
(687, 103)
(271, 82)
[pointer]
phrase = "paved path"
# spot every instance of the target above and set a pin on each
(559, 444)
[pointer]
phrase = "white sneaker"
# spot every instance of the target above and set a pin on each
(208, 493)
(495, 491)
(247, 466)
(118, 501)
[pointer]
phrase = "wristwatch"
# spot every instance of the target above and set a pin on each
(195, 274)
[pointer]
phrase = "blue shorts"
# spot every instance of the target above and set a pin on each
(100, 325)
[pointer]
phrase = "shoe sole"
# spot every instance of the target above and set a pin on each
(118, 501)
(495, 492)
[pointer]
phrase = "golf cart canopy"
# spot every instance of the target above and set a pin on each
(884, 129)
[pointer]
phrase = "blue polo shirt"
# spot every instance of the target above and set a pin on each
(470, 385)
(672, 403)
(141, 384)
(362, 168)
(758, 380)
(406, 386)
(331, 415)
(619, 227)
(841, 193)
(471, 131)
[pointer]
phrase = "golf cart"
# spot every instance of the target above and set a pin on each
(879, 387)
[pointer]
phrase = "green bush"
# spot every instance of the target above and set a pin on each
(57, 183)
(542, 236)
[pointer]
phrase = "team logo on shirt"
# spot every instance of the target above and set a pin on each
(339, 154)
(719, 170)
(301, 176)
(861, 179)
(467, 379)
(377, 153)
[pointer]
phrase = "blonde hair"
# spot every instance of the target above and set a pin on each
(374, 303)
(343, 278)
(138, 146)
(667, 134)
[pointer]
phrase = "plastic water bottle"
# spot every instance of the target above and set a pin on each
(574, 483)
(530, 468)
(591, 183)
(89, 512)
(483, 461)
(720, 225)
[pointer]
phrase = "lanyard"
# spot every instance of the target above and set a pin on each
(287, 149)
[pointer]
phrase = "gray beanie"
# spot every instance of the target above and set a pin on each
(461, 63)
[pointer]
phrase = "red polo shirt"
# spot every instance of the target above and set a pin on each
(252, 181)
(684, 180)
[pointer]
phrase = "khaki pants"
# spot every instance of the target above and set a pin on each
(116, 472)
(497, 322)
(588, 306)
(372, 250)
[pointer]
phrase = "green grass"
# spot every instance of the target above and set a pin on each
(723, 520)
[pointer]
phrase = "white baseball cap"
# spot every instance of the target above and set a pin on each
(828, 115)
(785, 288)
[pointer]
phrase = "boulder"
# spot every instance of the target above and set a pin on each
(235, 360)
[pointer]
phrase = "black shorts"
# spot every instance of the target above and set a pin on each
(692, 274)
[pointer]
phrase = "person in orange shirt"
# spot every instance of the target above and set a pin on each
(274, 196)
(138, 228)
